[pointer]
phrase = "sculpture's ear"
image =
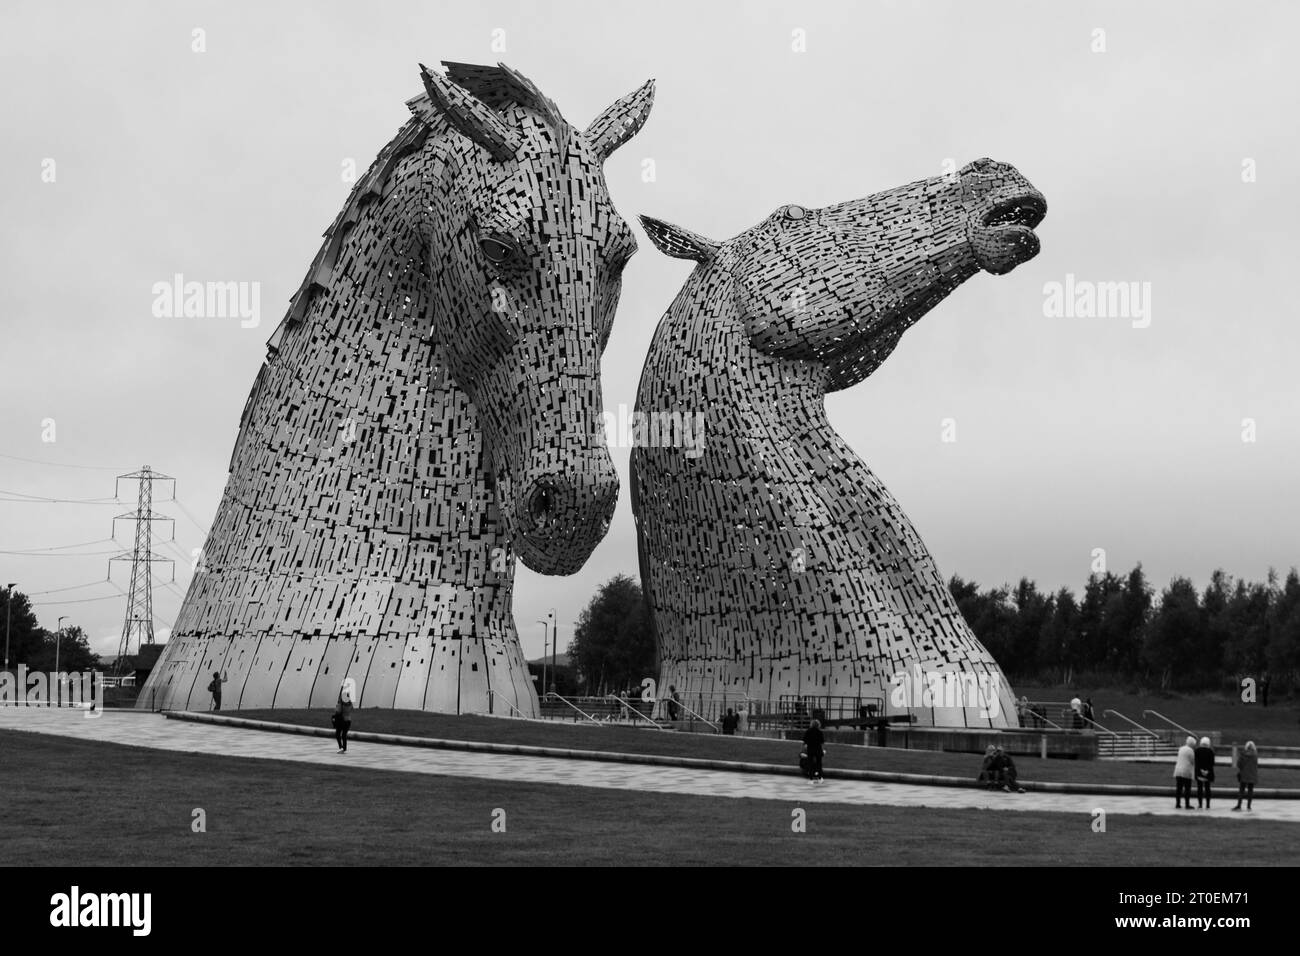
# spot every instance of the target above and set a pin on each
(466, 114)
(678, 242)
(620, 121)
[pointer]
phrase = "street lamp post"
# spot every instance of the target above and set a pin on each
(545, 630)
(9, 613)
(58, 637)
(555, 640)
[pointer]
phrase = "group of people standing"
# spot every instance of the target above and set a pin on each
(1195, 761)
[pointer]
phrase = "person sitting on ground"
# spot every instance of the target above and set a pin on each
(1005, 770)
(1204, 763)
(1247, 775)
(1184, 771)
(988, 772)
(730, 722)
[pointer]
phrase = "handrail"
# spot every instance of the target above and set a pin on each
(1146, 730)
(638, 715)
(1104, 730)
(700, 716)
(575, 707)
(1169, 722)
(492, 694)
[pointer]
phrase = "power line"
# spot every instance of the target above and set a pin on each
(22, 499)
(74, 587)
(111, 597)
(186, 512)
(58, 464)
(59, 547)
(71, 554)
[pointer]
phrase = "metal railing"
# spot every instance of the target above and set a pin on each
(492, 699)
(1169, 722)
(551, 695)
(669, 702)
(1146, 730)
(635, 714)
(1104, 730)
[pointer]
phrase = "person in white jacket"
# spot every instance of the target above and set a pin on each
(1184, 771)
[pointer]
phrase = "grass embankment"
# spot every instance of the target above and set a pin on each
(750, 749)
(84, 803)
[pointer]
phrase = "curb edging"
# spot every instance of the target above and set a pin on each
(696, 763)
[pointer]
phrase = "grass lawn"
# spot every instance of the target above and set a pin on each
(1277, 724)
(88, 804)
(757, 750)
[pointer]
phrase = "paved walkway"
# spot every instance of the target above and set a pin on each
(154, 731)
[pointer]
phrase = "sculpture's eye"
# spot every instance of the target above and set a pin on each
(795, 212)
(496, 250)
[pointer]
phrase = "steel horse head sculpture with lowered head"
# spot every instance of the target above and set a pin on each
(429, 409)
(776, 564)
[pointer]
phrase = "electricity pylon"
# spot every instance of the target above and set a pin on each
(139, 601)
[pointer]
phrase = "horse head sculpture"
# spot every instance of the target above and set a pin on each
(430, 408)
(776, 564)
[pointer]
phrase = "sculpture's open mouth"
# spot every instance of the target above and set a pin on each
(1003, 235)
(1027, 211)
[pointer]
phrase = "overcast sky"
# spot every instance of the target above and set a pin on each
(1073, 433)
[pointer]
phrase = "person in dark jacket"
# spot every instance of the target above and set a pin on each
(214, 688)
(1247, 775)
(1004, 771)
(814, 744)
(674, 702)
(343, 719)
(730, 722)
(1204, 763)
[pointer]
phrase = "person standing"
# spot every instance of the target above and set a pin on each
(1088, 718)
(1076, 714)
(214, 688)
(730, 722)
(674, 702)
(1247, 775)
(1184, 771)
(343, 719)
(814, 744)
(1204, 771)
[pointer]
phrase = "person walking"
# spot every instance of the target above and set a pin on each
(343, 719)
(814, 744)
(1087, 712)
(214, 688)
(1247, 775)
(1204, 771)
(1184, 771)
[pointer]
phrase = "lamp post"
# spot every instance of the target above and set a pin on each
(555, 640)
(544, 632)
(58, 636)
(9, 613)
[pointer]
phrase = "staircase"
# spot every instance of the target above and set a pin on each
(1131, 743)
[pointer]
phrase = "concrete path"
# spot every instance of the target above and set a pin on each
(154, 731)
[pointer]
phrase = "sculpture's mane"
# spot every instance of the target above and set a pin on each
(498, 87)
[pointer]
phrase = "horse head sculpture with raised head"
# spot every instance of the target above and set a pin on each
(775, 563)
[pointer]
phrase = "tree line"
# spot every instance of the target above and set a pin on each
(1119, 630)
(34, 646)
